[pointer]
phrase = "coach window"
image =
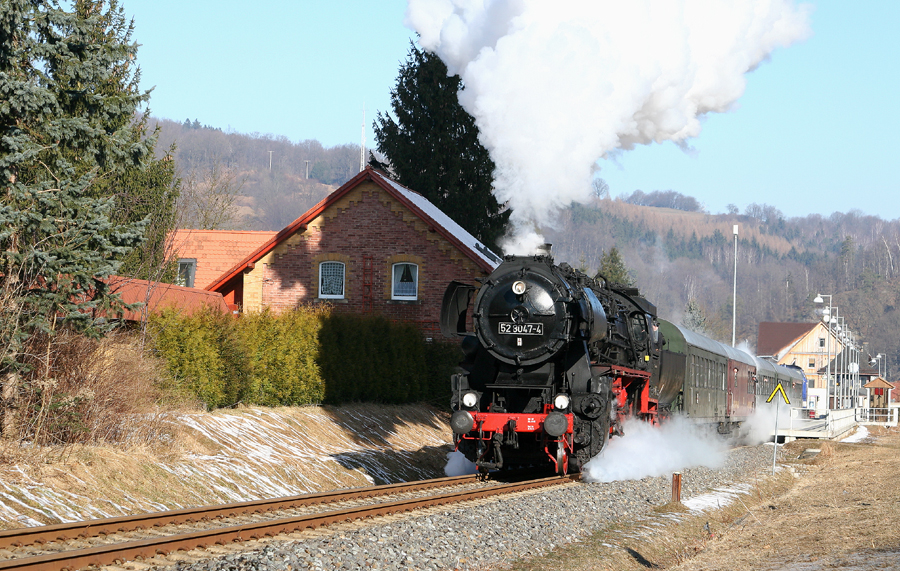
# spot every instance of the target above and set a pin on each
(405, 283)
(331, 280)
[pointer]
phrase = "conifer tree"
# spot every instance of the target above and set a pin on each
(68, 96)
(432, 147)
(694, 318)
(613, 269)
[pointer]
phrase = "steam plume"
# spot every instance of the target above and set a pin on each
(555, 86)
(647, 450)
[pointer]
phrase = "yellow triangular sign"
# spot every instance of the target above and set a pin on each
(783, 394)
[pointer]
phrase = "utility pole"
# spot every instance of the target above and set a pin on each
(734, 298)
(362, 142)
(270, 160)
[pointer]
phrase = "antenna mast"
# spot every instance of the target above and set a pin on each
(362, 142)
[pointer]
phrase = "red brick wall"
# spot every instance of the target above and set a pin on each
(368, 222)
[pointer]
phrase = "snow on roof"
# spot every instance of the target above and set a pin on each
(446, 222)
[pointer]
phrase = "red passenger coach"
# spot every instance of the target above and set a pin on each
(741, 389)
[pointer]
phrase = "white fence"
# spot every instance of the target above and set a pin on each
(804, 423)
(879, 416)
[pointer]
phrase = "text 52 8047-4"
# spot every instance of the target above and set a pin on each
(521, 328)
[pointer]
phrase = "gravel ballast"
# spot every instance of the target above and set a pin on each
(490, 533)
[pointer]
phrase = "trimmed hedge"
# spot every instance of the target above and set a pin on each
(282, 351)
(305, 356)
(204, 355)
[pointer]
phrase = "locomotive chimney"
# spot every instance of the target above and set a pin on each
(544, 249)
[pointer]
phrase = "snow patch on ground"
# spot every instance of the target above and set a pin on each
(861, 434)
(246, 455)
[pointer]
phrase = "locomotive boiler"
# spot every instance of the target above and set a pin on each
(554, 361)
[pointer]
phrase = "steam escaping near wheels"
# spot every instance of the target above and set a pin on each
(647, 451)
(459, 465)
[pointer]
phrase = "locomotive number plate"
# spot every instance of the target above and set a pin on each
(522, 328)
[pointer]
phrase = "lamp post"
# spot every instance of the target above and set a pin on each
(826, 317)
(734, 296)
(839, 357)
(879, 358)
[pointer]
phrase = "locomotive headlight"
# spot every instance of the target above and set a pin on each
(561, 402)
(469, 400)
(518, 287)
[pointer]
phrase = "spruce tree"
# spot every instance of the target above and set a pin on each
(432, 147)
(695, 318)
(68, 96)
(613, 269)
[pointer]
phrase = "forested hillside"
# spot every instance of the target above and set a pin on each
(681, 256)
(676, 252)
(266, 176)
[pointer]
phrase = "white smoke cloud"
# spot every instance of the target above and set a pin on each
(555, 86)
(760, 426)
(648, 450)
(459, 465)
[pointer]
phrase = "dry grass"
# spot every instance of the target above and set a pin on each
(208, 458)
(841, 507)
(678, 535)
(87, 391)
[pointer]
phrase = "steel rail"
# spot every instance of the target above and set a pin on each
(93, 528)
(109, 554)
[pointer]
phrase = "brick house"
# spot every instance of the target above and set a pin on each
(372, 245)
(204, 255)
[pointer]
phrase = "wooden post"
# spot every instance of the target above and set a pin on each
(676, 487)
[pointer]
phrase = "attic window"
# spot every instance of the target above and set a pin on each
(331, 280)
(405, 284)
(821, 342)
(187, 269)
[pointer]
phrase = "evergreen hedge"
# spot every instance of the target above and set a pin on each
(204, 354)
(308, 355)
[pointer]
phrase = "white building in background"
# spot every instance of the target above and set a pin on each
(809, 346)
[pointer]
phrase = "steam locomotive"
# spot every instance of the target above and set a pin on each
(557, 361)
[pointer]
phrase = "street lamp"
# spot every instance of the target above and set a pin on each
(828, 319)
(879, 358)
(841, 364)
(840, 358)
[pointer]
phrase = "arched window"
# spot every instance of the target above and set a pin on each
(405, 281)
(331, 280)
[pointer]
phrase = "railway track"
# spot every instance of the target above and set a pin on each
(108, 541)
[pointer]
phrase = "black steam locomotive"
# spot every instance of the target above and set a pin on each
(554, 364)
(557, 360)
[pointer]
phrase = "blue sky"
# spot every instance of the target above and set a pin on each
(815, 131)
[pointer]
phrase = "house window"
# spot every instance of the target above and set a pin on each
(405, 283)
(812, 363)
(331, 280)
(187, 269)
(821, 342)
